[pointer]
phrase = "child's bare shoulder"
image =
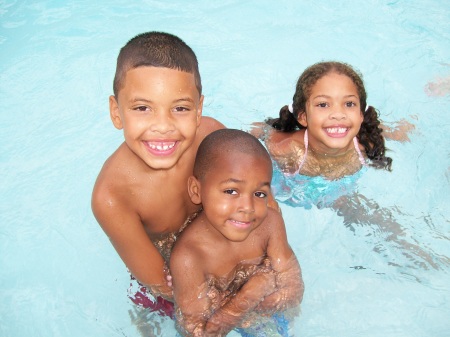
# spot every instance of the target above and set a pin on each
(273, 220)
(192, 237)
(283, 143)
(120, 178)
(106, 175)
(191, 245)
(208, 125)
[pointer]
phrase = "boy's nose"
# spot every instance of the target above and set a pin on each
(161, 122)
(246, 204)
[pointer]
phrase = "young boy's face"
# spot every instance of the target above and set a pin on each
(159, 110)
(234, 194)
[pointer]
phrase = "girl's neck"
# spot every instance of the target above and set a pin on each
(319, 154)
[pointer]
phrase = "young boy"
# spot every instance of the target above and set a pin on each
(140, 198)
(234, 258)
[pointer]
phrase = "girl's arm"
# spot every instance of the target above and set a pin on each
(397, 131)
(283, 147)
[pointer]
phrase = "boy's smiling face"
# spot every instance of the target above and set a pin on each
(159, 110)
(234, 193)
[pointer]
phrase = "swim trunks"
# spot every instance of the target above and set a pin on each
(275, 326)
(141, 295)
(144, 298)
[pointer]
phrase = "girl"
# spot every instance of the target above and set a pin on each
(329, 130)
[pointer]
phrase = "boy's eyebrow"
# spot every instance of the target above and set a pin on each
(139, 99)
(237, 181)
(183, 99)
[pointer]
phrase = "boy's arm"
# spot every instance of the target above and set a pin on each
(289, 282)
(190, 290)
(126, 232)
(233, 312)
(194, 315)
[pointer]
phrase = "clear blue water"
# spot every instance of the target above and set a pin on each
(382, 270)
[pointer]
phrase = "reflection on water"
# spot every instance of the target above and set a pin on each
(379, 226)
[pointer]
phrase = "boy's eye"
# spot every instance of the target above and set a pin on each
(181, 109)
(260, 194)
(141, 108)
(230, 191)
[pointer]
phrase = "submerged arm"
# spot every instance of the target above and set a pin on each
(397, 131)
(127, 234)
(236, 309)
(289, 286)
(190, 290)
(202, 311)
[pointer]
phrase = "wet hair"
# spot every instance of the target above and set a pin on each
(156, 49)
(369, 134)
(221, 143)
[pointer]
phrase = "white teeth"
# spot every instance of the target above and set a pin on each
(160, 147)
(336, 130)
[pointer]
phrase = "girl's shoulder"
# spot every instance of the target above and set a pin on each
(280, 142)
(293, 136)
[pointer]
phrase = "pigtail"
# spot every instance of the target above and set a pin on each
(286, 122)
(370, 136)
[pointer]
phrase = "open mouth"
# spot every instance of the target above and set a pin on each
(161, 148)
(336, 131)
(240, 224)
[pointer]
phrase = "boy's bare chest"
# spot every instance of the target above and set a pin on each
(163, 207)
(224, 259)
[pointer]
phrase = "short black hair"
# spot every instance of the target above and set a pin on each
(156, 49)
(223, 141)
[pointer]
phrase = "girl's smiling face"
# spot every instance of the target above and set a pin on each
(333, 114)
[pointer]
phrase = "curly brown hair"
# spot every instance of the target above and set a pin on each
(370, 133)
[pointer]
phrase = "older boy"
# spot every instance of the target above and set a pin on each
(140, 198)
(234, 258)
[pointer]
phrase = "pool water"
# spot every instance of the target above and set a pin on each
(376, 265)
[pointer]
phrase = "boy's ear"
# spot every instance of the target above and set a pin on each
(302, 119)
(200, 110)
(194, 190)
(114, 113)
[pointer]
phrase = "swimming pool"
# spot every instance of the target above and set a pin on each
(384, 274)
